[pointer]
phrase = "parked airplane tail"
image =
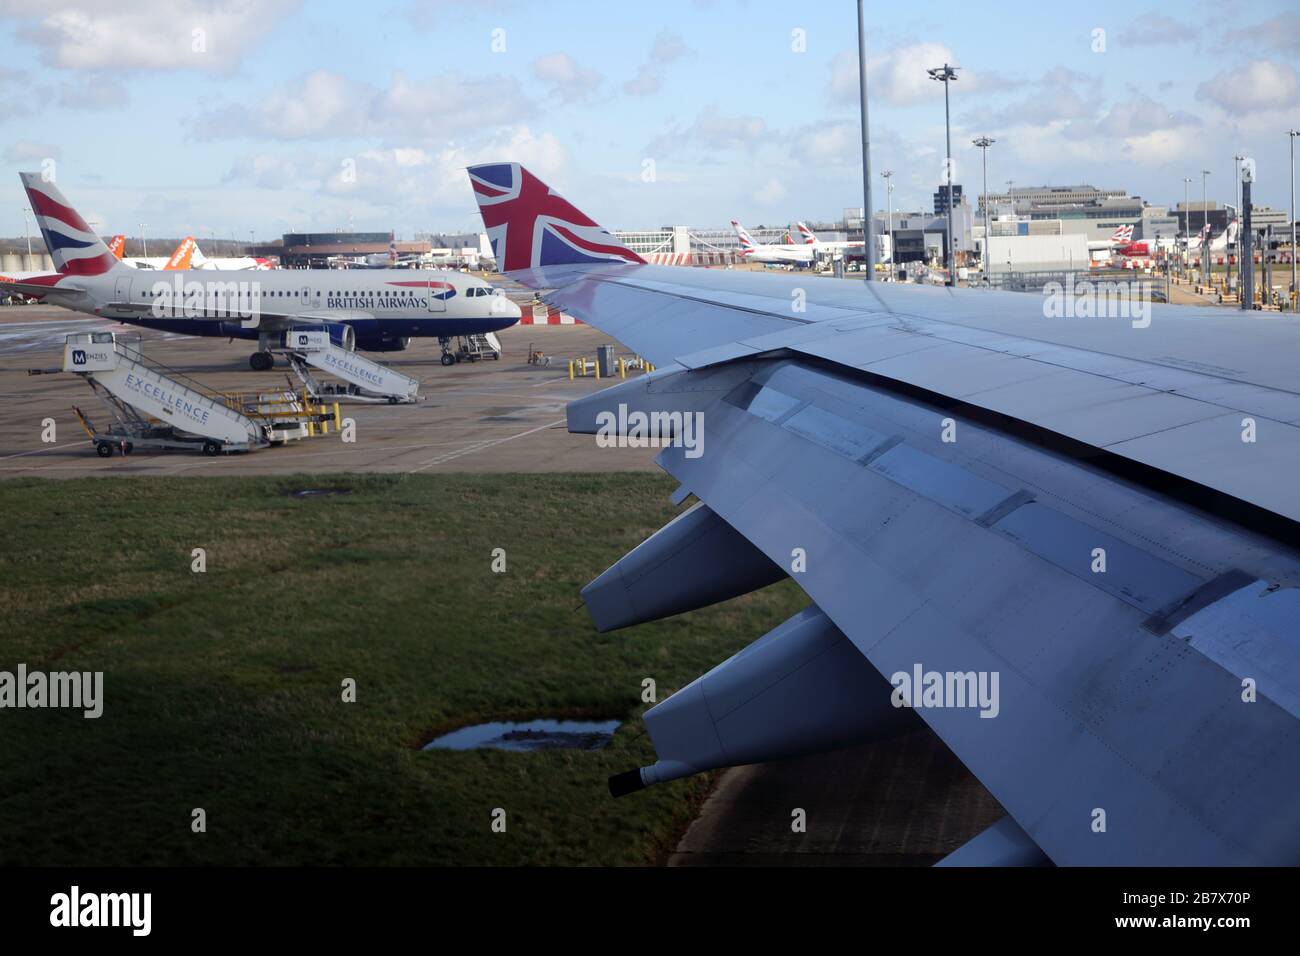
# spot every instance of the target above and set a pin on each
(747, 243)
(117, 245)
(183, 257)
(73, 246)
(1123, 235)
(806, 234)
(530, 225)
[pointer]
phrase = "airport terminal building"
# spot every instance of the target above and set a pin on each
(313, 250)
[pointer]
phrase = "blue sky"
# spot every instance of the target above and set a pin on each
(281, 115)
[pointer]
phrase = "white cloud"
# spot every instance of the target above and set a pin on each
(770, 193)
(146, 34)
(566, 79)
(668, 47)
(1258, 86)
(1153, 29)
(1280, 33)
(827, 144)
(410, 181)
(898, 76)
(325, 105)
(713, 132)
(26, 150)
(94, 91)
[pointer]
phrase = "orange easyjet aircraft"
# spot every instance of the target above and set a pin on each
(180, 259)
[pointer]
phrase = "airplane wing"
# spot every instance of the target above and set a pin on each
(33, 289)
(1092, 519)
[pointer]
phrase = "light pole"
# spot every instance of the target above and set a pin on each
(868, 243)
(144, 241)
(1292, 134)
(27, 229)
(889, 199)
(984, 143)
(1207, 264)
(947, 74)
(1187, 226)
(1236, 244)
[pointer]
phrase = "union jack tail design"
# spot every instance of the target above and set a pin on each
(75, 249)
(1122, 235)
(808, 238)
(747, 244)
(530, 225)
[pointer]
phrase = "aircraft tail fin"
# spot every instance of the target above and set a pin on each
(531, 225)
(183, 256)
(117, 245)
(747, 244)
(72, 244)
(806, 234)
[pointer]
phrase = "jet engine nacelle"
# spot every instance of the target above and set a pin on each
(802, 688)
(695, 560)
(340, 333)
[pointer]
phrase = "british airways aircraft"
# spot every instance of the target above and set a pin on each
(789, 254)
(374, 310)
(1070, 545)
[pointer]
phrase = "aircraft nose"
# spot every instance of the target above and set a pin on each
(515, 311)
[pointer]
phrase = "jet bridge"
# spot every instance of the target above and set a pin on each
(154, 406)
(367, 381)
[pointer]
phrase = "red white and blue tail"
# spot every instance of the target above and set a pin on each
(805, 234)
(747, 244)
(531, 225)
(73, 246)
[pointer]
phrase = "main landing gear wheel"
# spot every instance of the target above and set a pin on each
(448, 358)
(261, 361)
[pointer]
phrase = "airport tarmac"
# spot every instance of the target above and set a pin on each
(491, 416)
(903, 802)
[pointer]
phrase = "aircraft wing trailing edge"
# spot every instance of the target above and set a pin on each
(1067, 542)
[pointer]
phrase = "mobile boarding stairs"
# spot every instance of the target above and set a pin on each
(153, 406)
(366, 380)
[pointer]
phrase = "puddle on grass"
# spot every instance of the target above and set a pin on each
(528, 736)
(318, 492)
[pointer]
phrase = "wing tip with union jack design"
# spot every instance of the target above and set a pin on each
(529, 224)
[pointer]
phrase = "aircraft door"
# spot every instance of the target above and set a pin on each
(439, 293)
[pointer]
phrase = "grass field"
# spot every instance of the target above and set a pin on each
(223, 689)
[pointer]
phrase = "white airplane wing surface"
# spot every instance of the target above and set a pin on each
(1068, 543)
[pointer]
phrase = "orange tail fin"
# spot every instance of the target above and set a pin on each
(116, 245)
(181, 257)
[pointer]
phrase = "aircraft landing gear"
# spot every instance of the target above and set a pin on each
(447, 357)
(261, 361)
